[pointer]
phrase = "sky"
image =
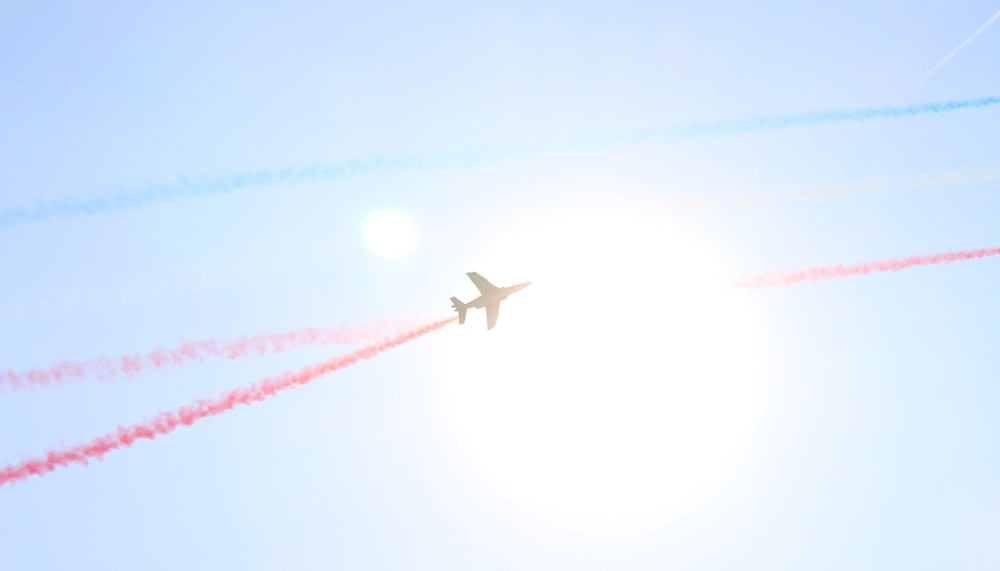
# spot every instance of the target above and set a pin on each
(630, 410)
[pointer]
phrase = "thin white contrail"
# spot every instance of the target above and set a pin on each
(954, 52)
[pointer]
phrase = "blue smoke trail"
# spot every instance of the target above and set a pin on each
(208, 186)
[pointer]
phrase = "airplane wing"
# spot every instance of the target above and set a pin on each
(481, 283)
(492, 311)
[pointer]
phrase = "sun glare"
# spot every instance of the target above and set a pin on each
(619, 392)
(390, 234)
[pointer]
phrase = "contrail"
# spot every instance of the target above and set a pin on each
(792, 277)
(207, 186)
(128, 366)
(953, 53)
(705, 203)
(167, 422)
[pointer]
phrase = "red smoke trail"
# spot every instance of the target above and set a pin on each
(842, 271)
(106, 368)
(167, 422)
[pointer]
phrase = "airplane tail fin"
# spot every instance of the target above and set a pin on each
(460, 308)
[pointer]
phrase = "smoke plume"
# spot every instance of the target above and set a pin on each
(881, 185)
(127, 199)
(842, 271)
(107, 368)
(167, 422)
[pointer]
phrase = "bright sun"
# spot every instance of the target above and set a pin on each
(390, 234)
(619, 391)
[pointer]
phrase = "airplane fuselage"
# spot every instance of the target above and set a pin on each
(497, 296)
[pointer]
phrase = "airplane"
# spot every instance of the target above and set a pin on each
(490, 298)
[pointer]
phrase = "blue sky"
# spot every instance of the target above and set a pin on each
(871, 444)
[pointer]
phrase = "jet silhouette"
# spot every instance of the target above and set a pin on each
(490, 298)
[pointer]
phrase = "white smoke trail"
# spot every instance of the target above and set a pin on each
(953, 53)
